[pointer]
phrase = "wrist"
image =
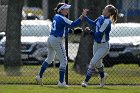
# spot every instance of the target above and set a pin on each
(81, 17)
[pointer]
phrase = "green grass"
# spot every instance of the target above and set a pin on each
(71, 89)
(118, 74)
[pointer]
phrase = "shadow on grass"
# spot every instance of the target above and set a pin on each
(104, 88)
(78, 86)
(55, 87)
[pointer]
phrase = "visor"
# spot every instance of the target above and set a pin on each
(65, 6)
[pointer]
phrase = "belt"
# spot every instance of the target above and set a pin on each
(101, 42)
(55, 36)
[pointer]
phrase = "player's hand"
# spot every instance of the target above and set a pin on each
(87, 29)
(84, 13)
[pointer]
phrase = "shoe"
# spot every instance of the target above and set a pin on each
(84, 84)
(39, 80)
(102, 81)
(62, 84)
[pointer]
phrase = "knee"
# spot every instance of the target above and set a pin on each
(92, 70)
(92, 66)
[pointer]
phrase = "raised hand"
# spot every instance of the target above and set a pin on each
(84, 13)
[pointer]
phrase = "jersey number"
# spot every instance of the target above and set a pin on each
(54, 25)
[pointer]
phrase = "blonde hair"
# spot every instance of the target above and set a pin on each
(113, 13)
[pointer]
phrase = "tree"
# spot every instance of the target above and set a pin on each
(12, 57)
(85, 50)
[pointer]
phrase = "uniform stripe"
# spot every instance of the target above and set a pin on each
(104, 25)
(65, 19)
(104, 38)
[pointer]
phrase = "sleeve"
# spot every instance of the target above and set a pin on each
(91, 22)
(70, 24)
(104, 25)
(75, 23)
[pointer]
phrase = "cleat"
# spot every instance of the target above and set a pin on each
(84, 84)
(39, 80)
(62, 84)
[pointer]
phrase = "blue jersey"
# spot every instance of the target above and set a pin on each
(60, 22)
(103, 28)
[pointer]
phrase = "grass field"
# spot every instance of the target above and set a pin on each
(118, 74)
(71, 89)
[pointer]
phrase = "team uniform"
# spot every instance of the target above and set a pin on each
(55, 39)
(101, 45)
(55, 44)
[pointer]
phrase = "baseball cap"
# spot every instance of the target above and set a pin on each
(65, 6)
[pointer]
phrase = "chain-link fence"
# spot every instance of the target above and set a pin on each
(122, 63)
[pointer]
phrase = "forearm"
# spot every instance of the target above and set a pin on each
(76, 22)
(91, 22)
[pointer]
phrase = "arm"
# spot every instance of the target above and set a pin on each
(75, 23)
(70, 24)
(91, 22)
(78, 21)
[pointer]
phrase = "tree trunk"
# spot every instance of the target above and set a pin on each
(85, 51)
(84, 54)
(12, 62)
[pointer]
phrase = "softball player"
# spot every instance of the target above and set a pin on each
(55, 45)
(101, 42)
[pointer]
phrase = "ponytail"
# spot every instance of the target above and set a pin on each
(113, 13)
(114, 16)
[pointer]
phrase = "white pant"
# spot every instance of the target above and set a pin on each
(55, 46)
(99, 52)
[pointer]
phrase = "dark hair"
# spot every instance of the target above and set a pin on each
(113, 13)
(58, 6)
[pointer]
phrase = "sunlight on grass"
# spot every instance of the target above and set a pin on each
(118, 74)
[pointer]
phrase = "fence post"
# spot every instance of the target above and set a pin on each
(66, 47)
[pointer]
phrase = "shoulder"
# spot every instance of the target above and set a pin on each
(58, 17)
(100, 20)
(101, 17)
(104, 20)
(61, 17)
(65, 20)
